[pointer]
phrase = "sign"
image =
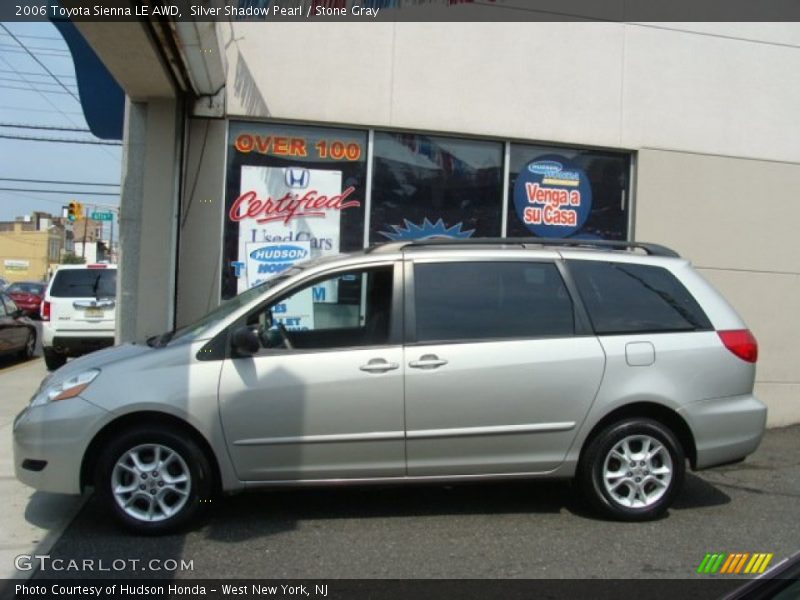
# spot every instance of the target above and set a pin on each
(267, 259)
(289, 184)
(287, 215)
(552, 197)
(102, 216)
(12, 264)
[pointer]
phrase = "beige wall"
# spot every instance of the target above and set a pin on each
(736, 220)
(199, 255)
(716, 88)
(31, 246)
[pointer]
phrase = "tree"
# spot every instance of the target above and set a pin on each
(71, 259)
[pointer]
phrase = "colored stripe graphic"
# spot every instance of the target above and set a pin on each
(734, 563)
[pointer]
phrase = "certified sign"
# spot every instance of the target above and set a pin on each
(552, 197)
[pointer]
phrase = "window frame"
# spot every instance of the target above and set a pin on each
(582, 325)
(395, 319)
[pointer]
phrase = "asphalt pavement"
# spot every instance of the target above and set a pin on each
(519, 530)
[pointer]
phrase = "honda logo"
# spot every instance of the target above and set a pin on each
(297, 177)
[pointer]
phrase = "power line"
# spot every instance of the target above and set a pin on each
(41, 48)
(45, 127)
(57, 140)
(67, 192)
(42, 110)
(37, 37)
(59, 182)
(36, 74)
(40, 63)
(31, 89)
(20, 80)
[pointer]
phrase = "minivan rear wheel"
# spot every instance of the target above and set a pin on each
(632, 470)
(152, 480)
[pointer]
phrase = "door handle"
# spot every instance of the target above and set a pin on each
(378, 365)
(427, 361)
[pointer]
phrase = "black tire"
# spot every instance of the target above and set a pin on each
(29, 349)
(52, 359)
(197, 492)
(590, 476)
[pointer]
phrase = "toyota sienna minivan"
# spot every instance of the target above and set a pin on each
(612, 363)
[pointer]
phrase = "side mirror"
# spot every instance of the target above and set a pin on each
(245, 341)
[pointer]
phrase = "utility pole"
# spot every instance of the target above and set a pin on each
(83, 247)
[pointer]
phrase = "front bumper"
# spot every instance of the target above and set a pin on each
(725, 429)
(56, 434)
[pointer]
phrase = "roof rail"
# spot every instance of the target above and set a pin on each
(651, 249)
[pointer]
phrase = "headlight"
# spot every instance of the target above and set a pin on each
(69, 388)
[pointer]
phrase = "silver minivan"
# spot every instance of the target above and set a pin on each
(612, 363)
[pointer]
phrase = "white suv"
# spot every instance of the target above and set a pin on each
(78, 312)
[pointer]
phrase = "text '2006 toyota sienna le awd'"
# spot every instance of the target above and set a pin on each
(611, 363)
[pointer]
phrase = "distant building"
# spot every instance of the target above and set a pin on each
(30, 247)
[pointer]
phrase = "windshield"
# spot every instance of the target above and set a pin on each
(198, 329)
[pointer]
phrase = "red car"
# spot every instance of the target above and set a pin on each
(27, 295)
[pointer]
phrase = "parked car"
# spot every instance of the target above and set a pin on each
(27, 295)
(3, 283)
(78, 312)
(431, 361)
(17, 332)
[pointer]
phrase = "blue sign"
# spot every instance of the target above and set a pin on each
(282, 253)
(552, 197)
(427, 230)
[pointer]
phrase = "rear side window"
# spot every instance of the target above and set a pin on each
(629, 298)
(84, 283)
(489, 300)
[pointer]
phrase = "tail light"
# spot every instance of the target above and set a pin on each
(741, 342)
(45, 310)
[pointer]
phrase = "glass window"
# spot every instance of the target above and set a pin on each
(84, 283)
(348, 310)
(488, 300)
(424, 185)
(561, 192)
(292, 193)
(630, 298)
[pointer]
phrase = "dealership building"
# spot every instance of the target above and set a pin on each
(247, 139)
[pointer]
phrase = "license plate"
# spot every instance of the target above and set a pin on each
(94, 313)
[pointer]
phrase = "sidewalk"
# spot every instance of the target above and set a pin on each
(30, 521)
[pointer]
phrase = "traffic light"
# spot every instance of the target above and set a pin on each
(75, 211)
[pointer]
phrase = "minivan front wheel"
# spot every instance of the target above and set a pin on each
(633, 470)
(152, 480)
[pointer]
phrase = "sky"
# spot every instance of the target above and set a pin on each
(30, 96)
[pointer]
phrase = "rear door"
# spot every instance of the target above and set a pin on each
(498, 376)
(83, 300)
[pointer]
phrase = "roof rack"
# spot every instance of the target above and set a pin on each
(651, 249)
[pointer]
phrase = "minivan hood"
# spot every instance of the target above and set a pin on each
(97, 360)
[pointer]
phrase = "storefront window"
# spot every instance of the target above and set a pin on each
(424, 186)
(559, 192)
(292, 193)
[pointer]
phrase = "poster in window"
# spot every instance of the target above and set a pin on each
(292, 194)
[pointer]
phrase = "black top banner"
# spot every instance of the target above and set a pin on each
(404, 10)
